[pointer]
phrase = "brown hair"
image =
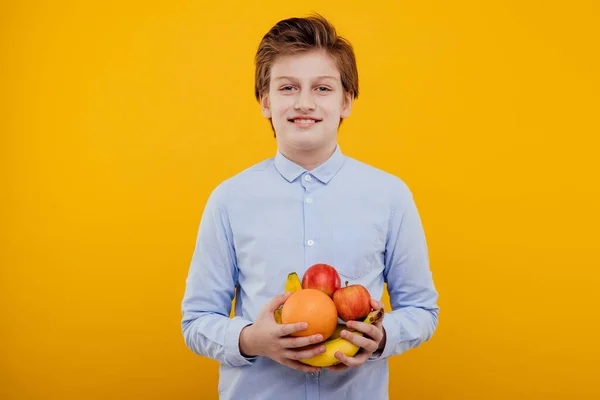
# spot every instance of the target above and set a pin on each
(303, 34)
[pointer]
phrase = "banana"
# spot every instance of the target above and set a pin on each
(338, 331)
(277, 315)
(292, 284)
(337, 343)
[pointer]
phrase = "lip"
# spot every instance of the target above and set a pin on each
(305, 118)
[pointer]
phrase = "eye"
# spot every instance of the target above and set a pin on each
(287, 88)
(323, 89)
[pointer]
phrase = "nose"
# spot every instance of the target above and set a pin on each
(304, 102)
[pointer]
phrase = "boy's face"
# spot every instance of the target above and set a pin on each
(306, 101)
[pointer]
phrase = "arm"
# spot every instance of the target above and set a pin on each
(413, 297)
(210, 287)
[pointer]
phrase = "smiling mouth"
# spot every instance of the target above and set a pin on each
(304, 121)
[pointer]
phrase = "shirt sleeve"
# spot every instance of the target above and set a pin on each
(210, 287)
(413, 296)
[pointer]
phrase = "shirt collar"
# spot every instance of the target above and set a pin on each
(324, 172)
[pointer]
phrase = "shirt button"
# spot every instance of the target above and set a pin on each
(309, 200)
(308, 177)
(310, 242)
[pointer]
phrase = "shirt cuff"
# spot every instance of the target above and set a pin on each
(392, 336)
(232, 343)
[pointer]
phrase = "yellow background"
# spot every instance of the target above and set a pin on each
(119, 117)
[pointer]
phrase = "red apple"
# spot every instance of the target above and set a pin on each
(322, 277)
(352, 302)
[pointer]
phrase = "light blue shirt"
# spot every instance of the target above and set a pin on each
(276, 217)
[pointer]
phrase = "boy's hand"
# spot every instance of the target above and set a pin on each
(373, 339)
(265, 337)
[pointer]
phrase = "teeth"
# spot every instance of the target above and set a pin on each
(305, 121)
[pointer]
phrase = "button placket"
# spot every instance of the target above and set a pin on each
(312, 388)
(310, 239)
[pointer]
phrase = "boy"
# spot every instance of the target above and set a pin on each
(308, 204)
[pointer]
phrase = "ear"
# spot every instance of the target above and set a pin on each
(347, 105)
(265, 104)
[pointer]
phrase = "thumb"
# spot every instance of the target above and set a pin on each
(276, 301)
(376, 304)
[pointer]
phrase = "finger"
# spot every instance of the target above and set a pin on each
(348, 361)
(276, 301)
(376, 304)
(299, 366)
(373, 331)
(288, 329)
(360, 341)
(379, 324)
(355, 361)
(305, 353)
(367, 329)
(295, 342)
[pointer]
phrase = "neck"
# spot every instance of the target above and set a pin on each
(309, 159)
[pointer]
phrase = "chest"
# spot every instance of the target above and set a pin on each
(276, 233)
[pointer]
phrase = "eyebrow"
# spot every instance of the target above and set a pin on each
(293, 79)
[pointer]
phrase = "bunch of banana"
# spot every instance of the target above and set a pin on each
(335, 342)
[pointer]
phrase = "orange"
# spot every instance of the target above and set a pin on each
(313, 307)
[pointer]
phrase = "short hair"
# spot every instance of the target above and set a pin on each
(295, 35)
